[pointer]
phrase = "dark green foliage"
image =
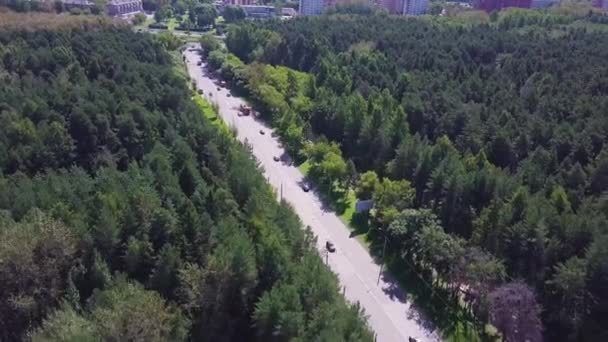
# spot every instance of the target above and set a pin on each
(499, 128)
(111, 180)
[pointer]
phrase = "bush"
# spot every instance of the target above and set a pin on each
(139, 19)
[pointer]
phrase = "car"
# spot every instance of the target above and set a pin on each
(200, 91)
(228, 95)
(330, 247)
(210, 94)
(199, 63)
(305, 187)
(218, 88)
(262, 132)
(276, 158)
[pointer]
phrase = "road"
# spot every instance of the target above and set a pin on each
(390, 314)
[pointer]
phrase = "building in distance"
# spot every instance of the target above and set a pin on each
(124, 7)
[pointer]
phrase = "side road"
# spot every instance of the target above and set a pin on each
(389, 311)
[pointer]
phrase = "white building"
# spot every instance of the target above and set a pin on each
(415, 7)
(311, 7)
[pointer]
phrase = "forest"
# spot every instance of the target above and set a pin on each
(125, 215)
(482, 144)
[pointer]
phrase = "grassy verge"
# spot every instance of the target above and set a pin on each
(206, 108)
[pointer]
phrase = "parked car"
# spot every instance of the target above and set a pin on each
(305, 187)
(218, 88)
(330, 246)
(276, 158)
(262, 132)
(199, 63)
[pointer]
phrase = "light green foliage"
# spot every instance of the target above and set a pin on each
(367, 184)
(326, 164)
(391, 197)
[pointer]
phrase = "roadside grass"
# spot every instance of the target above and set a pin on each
(178, 65)
(210, 113)
(206, 108)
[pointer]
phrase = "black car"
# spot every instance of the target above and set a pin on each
(262, 132)
(276, 158)
(305, 187)
(199, 63)
(330, 246)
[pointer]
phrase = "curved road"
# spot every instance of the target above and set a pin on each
(390, 314)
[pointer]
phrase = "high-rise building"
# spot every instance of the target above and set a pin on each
(415, 7)
(311, 7)
(496, 5)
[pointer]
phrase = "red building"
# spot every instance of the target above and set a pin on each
(495, 5)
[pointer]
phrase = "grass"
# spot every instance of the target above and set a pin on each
(210, 113)
(206, 108)
(178, 65)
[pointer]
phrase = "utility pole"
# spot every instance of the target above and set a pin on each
(281, 191)
(382, 259)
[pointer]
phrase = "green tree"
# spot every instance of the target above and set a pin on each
(43, 250)
(205, 15)
(233, 14)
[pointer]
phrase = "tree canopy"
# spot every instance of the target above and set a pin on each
(497, 129)
(126, 215)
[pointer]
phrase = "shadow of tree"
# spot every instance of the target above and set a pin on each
(436, 307)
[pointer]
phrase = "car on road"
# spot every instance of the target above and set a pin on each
(199, 63)
(276, 158)
(262, 132)
(305, 187)
(228, 95)
(218, 88)
(200, 91)
(330, 247)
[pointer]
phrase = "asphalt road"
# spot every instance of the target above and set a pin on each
(390, 314)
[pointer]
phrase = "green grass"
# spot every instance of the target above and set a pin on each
(178, 65)
(210, 113)
(206, 108)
